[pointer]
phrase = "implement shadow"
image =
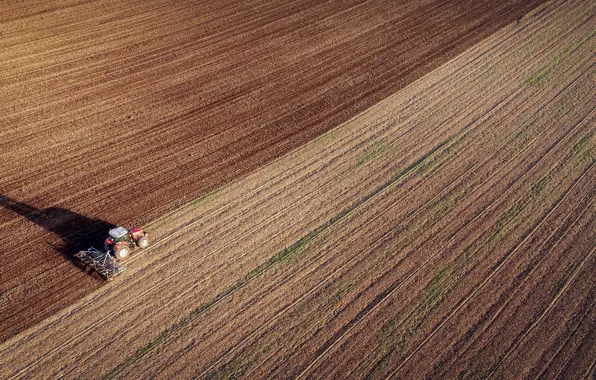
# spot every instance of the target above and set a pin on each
(76, 231)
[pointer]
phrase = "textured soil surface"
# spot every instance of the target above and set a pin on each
(447, 231)
(116, 112)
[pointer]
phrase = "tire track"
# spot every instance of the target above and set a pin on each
(535, 268)
(493, 274)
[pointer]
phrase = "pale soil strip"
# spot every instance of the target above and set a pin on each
(457, 234)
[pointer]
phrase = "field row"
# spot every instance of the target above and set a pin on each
(439, 233)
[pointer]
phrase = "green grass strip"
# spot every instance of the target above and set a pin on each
(539, 77)
(378, 148)
(205, 198)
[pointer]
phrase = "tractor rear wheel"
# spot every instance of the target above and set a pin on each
(122, 252)
(143, 242)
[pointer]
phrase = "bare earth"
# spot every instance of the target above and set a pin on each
(447, 231)
(117, 112)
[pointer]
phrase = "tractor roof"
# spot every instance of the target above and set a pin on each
(118, 232)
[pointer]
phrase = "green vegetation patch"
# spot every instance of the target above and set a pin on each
(584, 150)
(541, 75)
(371, 154)
(326, 138)
(434, 295)
(579, 146)
(205, 198)
(232, 370)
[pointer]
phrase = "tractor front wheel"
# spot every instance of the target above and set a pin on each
(143, 242)
(122, 252)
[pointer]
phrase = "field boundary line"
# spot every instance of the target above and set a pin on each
(478, 55)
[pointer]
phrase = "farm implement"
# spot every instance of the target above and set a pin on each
(117, 247)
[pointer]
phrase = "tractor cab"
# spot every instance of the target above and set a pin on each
(121, 241)
(119, 234)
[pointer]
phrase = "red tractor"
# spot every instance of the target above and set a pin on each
(122, 241)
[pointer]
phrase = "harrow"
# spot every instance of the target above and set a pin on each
(103, 262)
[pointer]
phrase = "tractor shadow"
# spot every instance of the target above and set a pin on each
(77, 232)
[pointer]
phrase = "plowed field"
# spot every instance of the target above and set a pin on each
(447, 231)
(116, 112)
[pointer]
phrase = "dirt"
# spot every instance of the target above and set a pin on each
(440, 233)
(114, 114)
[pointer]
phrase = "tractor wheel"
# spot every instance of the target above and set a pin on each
(143, 242)
(122, 252)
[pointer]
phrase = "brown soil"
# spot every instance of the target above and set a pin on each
(438, 234)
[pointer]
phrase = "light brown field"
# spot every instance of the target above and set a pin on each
(447, 231)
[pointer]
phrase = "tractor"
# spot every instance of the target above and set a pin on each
(122, 241)
(117, 247)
